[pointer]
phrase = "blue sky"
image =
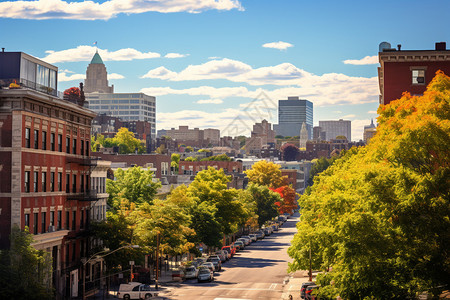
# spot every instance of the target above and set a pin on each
(225, 63)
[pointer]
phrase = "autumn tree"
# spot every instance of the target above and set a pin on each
(288, 196)
(190, 158)
(265, 201)
(265, 173)
(379, 214)
(289, 152)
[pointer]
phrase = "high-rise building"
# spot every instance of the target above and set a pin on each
(128, 107)
(292, 113)
(303, 136)
(261, 135)
(97, 77)
(409, 70)
(336, 128)
(46, 183)
(369, 131)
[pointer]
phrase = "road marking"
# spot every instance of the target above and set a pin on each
(273, 286)
(229, 299)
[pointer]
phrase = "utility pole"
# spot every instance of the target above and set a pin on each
(157, 260)
(310, 263)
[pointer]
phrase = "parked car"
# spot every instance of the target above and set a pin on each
(246, 241)
(253, 237)
(178, 274)
(205, 274)
(248, 238)
(267, 231)
(209, 265)
(216, 262)
(136, 290)
(221, 255)
(310, 292)
(239, 245)
(191, 272)
(231, 249)
(303, 288)
(260, 235)
(227, 254)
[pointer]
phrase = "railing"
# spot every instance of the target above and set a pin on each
(23, 83)
(89, 195)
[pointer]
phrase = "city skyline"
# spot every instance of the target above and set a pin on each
(206, 61)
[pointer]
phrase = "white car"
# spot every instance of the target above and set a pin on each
(191, 272)
(136, 290)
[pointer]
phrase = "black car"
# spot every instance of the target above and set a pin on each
(309, 292)
(303, 288)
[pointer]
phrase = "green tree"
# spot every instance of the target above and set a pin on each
(189, 149)
(265, 200)
(24, 270)
(320, 165)
(175, 160)
(134, 184)
(190, 158)
(379, 214)
(265, 173)
(97, 142)
(127, 142)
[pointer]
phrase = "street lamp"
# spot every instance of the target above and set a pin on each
(84, 261)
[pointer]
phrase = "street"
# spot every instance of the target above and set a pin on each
(254, 273)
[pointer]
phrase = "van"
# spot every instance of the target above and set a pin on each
(136, 290)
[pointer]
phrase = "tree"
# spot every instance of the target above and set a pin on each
(220, 157)
(290, 152)
(320, 165)
(379, 214)
(265, 200)
(190, 158)
(265, 173)
(175, 160)
(134, 184)
(24, 270)
(127, 142)
(288, 195)
(96, 142)
(189, 149)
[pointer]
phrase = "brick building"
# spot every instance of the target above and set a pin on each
(45, 167)
(409, 70)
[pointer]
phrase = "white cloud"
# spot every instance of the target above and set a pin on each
(62, 76)
(278, 45)
(115, 76)
(372, 112)
(358, 129)
(351, 116)
(85, 53)
(209, 91)
(175, 55)
(368, 60)
(210, 101)
(233, 70)
(214, 57)
(90, 10)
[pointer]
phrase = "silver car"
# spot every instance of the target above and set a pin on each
(205, 274)
(191, 272)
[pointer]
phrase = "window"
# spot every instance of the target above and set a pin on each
(59, 142)
(87, 183)
(74, 220)
(74, 245)
(74, 183)
(81, 219)
(27, 220)
(52, 141)
(67, 144)
(67, 253)
(67, 183)
(27, 182)
(52, 218)
(67, 220)
(82, 183)
(52, 181)
(418, 76)
(36, 139)
(43, 216)
(35, 223)
(87, 218)
(59, 181)
(87, 148)
(27, 137)
(44, 140)
(82, 147)
(74, 146)
(35, 181)
(58, 224)
(44, 181)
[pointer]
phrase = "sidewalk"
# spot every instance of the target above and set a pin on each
(295, 283)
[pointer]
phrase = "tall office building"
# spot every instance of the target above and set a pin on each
(128, 107)
(292, 113)
(336, 128)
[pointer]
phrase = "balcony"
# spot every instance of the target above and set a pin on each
(90, 195)
(82, 161)
(23, 83)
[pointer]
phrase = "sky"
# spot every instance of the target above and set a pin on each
(226, 63)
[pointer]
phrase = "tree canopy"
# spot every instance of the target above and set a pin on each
(290, 152)
(265, 173)
(379, 215)
(124, 139)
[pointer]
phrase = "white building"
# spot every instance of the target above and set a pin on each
(336, 128)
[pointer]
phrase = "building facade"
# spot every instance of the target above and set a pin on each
(97, 77)
(197, 138)
(409, 70)
(291, 115)
(46, 174)
(336, 128)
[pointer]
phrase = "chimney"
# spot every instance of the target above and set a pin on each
(441, 46)
(399, 47)
(3, 49)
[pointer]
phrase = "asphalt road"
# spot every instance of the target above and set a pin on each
(254, 273)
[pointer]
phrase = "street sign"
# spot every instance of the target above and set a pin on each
(131, 262)
(201, 249)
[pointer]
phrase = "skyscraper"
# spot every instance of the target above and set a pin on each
(336, 128)
(97, 77)
(292, 113)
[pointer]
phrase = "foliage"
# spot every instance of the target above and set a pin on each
(220, 157)
(279, 137)
(73, 91)
(265, 173)
(340, 137)
(161, 149)
(134, 184)
(24, 270)
(189, 149)
(96, 142)
(124, 139)
(204, 150)
(320, 165)
(379, 214)
(190, 158)
(290, 152)
(288, 195)
(175, 160)
(265, 200)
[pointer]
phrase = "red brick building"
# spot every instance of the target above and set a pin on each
(193, 167)
(409, 70)
(44, 166)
